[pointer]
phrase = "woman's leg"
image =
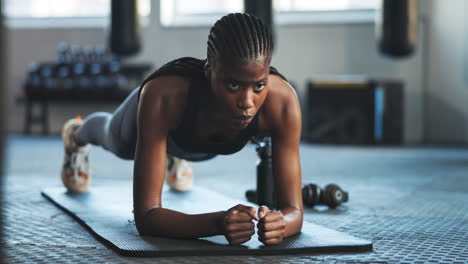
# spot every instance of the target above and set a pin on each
(117, 133)
(114, 132)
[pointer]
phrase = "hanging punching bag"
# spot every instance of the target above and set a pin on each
(262, 9)
(396, 27)
(125, 28)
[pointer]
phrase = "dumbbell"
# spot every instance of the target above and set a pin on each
(332, 195)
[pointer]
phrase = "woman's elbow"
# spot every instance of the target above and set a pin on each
(141, 222)
(140, 226)
(297, 220)
(300, 219)
(146, 223)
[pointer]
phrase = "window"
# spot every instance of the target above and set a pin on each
(316, 5)
(196, 13)
(206, 12)
(41, 13)
(334, 11)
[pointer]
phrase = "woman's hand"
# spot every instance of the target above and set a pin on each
(271, 226)
(237, 224)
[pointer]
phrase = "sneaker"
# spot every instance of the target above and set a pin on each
(179, 174)
(75, 170)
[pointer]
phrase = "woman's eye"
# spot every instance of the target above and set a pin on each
(259, 87)
(233, 86)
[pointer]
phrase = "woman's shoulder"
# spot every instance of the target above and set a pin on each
(280, 90)
(186, 67)
(167, 95)
(170, 85)
(281, 104)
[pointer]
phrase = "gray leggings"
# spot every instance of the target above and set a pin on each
(117, 132)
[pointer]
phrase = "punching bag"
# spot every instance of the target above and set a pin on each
(396, 27)
(125, 28)
(262, 9)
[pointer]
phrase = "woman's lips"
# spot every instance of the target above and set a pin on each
(243, 121)
(244, 117)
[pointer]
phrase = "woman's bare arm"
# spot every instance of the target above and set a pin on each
(162, 102)
(161, 105)
(283, 116)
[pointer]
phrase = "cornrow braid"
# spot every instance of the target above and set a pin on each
(239, 35)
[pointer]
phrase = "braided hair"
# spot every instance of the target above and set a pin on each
(241, 36)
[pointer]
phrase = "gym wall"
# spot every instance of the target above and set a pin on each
(446, 115)
(303, 51)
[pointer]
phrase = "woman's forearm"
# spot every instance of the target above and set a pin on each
(168, 223)
(293, 218)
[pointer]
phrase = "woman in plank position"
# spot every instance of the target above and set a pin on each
(192, 110)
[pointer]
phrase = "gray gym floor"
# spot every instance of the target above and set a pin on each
(412, 202)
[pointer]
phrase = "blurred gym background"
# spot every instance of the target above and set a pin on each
(63, 58)
(367, 72)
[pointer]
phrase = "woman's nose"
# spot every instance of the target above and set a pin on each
(245, 99)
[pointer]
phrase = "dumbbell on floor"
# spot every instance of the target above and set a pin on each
(332, 195)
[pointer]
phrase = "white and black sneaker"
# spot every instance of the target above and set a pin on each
(179, 174)
(75, 170)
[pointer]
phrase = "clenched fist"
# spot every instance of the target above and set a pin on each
(271, 226)
(237, 224)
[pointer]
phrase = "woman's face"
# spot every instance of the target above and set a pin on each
(240, 88)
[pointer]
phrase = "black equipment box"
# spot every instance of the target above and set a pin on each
(358, 111)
